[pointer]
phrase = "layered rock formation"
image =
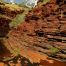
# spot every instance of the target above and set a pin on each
(43, 31)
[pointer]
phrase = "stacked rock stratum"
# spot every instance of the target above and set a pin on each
(43, 31)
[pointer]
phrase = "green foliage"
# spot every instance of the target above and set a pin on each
(16, 21)
(44, 0)
(19, 18)
(6, 59)
(54, 49)
(16, 51)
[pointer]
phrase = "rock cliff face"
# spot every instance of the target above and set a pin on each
(7, 13)
(44, 31)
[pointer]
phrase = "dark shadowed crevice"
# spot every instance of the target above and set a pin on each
(3, 51)
(40, 33)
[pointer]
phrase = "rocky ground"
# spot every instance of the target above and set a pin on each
(22, 61)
